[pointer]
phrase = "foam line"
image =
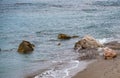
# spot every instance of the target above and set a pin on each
(102, 40)
(52, 73)
(67, 70)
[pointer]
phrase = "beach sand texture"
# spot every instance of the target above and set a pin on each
(101, 69)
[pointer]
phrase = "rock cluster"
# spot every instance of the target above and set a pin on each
(88, 48)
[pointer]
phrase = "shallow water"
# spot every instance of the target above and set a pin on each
(40, 21)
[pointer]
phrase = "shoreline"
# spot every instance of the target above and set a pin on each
(32, 75)
(101, 69)
(98, 68)
(70, 72)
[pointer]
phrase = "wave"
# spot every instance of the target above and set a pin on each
(64, 69)
(107, 3)
(89, 10)
(104, 40)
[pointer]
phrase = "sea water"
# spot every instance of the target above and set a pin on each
(40, 21)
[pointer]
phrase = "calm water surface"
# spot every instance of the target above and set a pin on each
(40, 21)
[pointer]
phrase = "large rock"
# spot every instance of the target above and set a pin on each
(86, 43)
(25, 47)
(113, 45)
(109, 53)
(63, 36)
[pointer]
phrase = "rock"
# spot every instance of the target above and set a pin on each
(113, 45)
(25, 47)
(86, 43)
(88, 54)
(74, 36)
(59, 44)
(109, 53)
(63, 36)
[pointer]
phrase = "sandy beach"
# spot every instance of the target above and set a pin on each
(101, 69)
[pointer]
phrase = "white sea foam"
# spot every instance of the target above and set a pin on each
(103, 40)
(64, 69)
(68, 70)
(73, 70)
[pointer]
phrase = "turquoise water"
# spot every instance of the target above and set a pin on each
(40, 21)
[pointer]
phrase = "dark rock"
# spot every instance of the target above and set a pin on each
(86, 43)
(63, 36)
(66, 37)
(74, 36)
(59, 44)
(113, 45)
(25, 47)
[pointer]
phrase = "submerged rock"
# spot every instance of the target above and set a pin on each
(59, 44)
(75, 36)
(87, 42)
(63, 36)
(25, 47)
(109, 53)
(113, 45)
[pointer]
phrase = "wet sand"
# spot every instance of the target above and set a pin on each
(101, 69)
